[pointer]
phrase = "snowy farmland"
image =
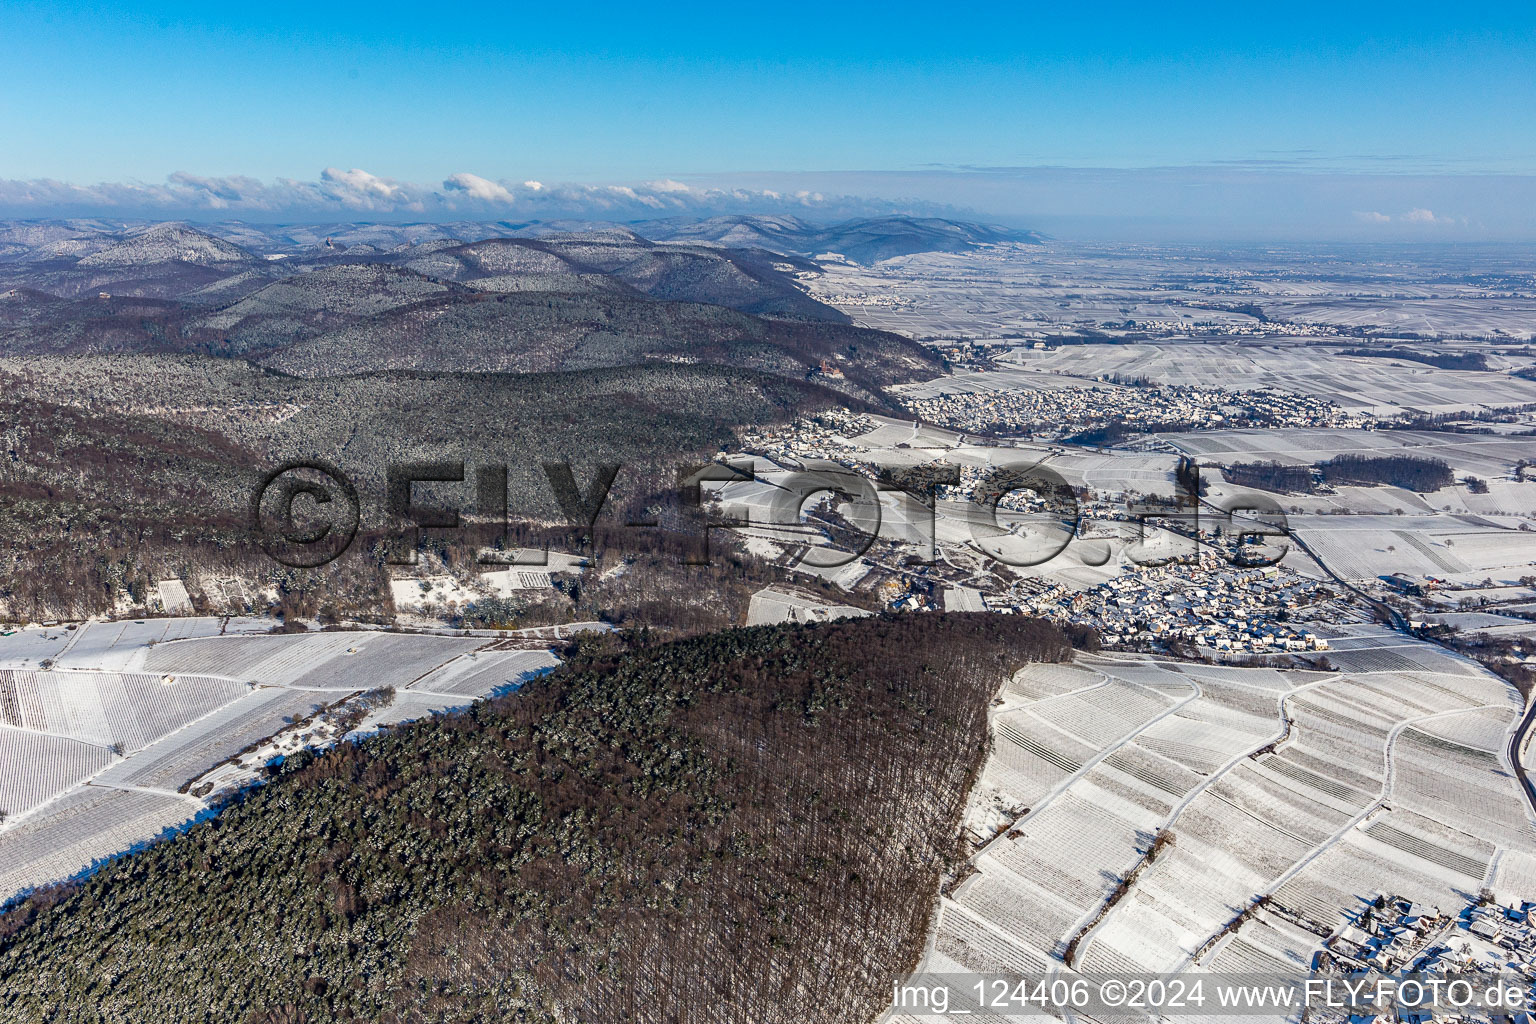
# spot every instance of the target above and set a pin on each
(1314, 789)
(112, 733)
(1384, 387)
(1484, 454)
(1003, 291)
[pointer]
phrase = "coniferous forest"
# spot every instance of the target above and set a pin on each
(1412, 472)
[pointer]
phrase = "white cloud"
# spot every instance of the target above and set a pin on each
(345, 193)
(479, 188)
(1417, 215)
(359, 181)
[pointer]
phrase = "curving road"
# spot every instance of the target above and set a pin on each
(1516, 741)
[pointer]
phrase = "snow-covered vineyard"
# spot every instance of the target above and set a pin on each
(1143, 815)
(113, 732)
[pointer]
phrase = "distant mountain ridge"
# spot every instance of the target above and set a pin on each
(869, 240)
(168, 243)
(866, 240)
(175, 260)
(561, 301)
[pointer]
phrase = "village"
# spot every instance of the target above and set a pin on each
(1396, 937)
(823, 436)
(1188, 594)
(1054, 413)
(1207, 604)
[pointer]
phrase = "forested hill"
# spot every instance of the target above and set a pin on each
(747, 826)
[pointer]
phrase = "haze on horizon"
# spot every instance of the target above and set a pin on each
(1377, 122)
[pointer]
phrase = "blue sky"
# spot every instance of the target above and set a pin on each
(944, 104)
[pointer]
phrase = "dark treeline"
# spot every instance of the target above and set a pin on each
(1461, 421)
(748, 826)
(1111, 433)
(1270, 476)
(1410, 472)
(1187, 475)
(1440, 360)
(1117, 430)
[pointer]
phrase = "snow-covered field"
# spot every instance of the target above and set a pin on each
(1384, 387)
(133, 724)
(1317, 789)
(781, 604)
(1002, 291)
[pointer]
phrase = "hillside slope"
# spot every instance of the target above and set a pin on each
(167, 243)
(175, 261)
(127, 469)
(748, 826)
(752, 281)
(537, 332)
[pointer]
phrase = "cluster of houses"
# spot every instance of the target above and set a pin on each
(823, 436)
(1064, 412)
(908, 592)
(1251, 328)
(974, 481)
(1205, 602)
(1507, 928)
(1391, 934)
(1209, 604)
(1395, 937)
